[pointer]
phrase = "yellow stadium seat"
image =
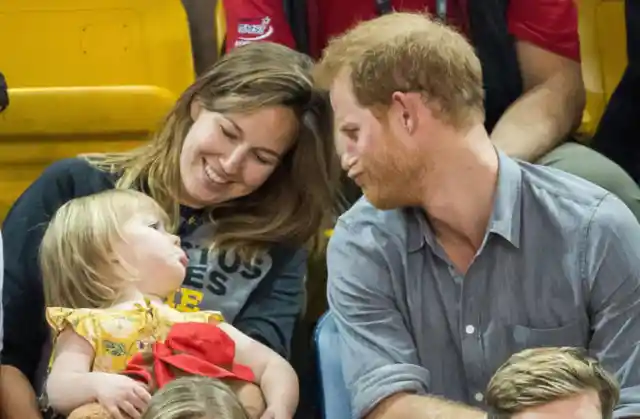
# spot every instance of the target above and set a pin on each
(221, 26)
(603, 46)
(85, 76)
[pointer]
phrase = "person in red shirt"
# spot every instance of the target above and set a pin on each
(535, 127)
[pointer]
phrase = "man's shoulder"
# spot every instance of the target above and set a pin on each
(363, 215)
(388, 234)
(559, 194)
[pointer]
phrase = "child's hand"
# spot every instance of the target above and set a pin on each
(276, 413)
(118, 394)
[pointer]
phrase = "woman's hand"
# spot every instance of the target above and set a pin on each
(118, 394)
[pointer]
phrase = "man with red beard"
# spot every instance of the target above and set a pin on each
(529, 51)
(460, 256)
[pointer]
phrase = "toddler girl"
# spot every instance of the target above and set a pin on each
(108, 266)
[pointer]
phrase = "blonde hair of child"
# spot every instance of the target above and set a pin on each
(537, 376)
(80, 268)
(195, 398)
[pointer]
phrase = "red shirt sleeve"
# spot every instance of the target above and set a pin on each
(255, 21)
(549, 24)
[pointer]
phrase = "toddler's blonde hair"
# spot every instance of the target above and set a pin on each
(537, 376)
(79, 266)
(195, 398)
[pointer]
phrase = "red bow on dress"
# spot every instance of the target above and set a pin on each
(190, 349)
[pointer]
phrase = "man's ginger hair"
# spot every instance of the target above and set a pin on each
(535, 377)
(408, 52)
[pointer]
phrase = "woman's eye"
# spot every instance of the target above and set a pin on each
(156, 226)
(263, 160)
(228, 133)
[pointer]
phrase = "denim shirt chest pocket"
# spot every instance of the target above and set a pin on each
(502, 341)
(573, 333)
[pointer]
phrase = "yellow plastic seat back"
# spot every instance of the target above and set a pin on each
(603, 46)
(85, 76)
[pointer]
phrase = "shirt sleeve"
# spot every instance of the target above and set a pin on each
(82, 321)
(379, 358)
(549, 24)
(25, 327)
(271, 312)
(613, 277)
(255, 21)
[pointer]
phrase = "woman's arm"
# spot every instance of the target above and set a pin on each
(25, 327)
(276, 377)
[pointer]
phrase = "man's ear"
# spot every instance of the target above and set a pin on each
(405, 110)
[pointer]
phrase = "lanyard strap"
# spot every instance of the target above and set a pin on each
(384, 6)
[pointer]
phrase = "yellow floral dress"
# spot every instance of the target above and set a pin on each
(117, 335)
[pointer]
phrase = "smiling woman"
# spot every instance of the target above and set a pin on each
(250, 143)
(243, 165)
(224, 161)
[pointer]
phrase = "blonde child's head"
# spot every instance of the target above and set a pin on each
(195, 398)
(97, 246)
(537, 382)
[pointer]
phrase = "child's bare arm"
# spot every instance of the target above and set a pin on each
(71, 383)
(67, 386)
(277, 379)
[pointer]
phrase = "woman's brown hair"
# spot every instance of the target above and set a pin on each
(296, 203)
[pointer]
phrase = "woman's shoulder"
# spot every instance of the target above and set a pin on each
(64, 180)
(60, 182)
(76, 171)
